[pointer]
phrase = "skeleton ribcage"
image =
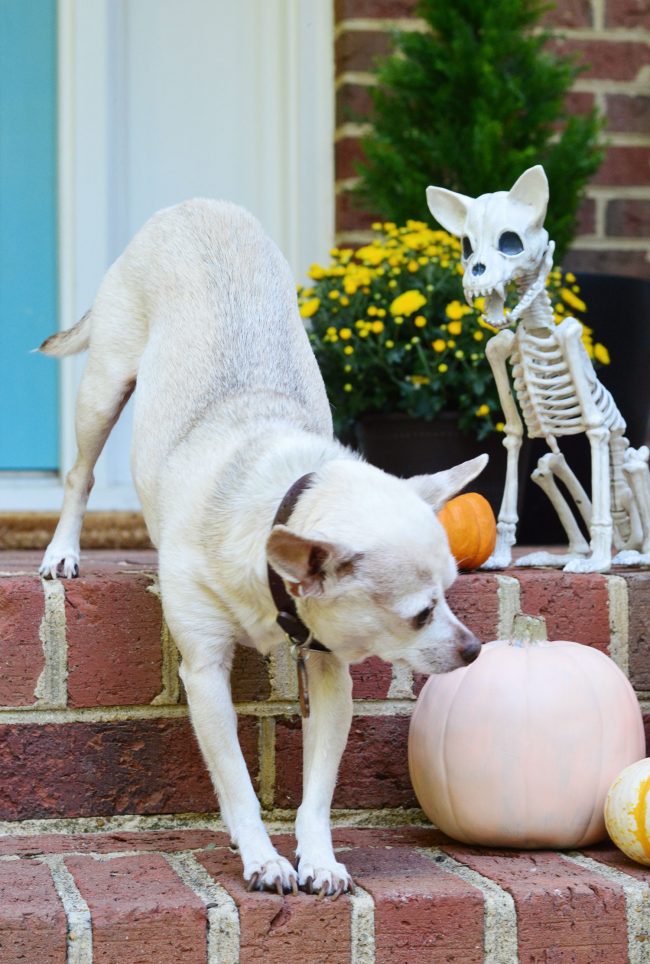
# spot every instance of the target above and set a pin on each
(545, 389)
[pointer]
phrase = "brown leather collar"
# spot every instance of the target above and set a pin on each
(300, 636)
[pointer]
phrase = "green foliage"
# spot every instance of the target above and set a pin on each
(469, 105)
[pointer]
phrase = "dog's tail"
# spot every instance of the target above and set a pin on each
(70, 341)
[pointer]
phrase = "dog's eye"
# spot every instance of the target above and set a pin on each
(510, 243)
(422, 618)
(467, 248)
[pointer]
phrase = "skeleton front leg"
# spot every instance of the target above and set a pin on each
(498, 350)
(569, 334)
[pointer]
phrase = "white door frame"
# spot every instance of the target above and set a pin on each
(295, 130)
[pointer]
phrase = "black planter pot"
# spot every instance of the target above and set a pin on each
(408, 446)
(619, 313)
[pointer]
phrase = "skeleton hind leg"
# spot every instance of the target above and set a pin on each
(551, 464)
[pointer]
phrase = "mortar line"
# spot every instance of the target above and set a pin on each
(170, 658)
(78, 917)
(223, 931)
(500, 939)
(277, 820)
(509, 598)
(52, 685)
(362, 927)
(266, 755)
(114, 714)
(619, 635)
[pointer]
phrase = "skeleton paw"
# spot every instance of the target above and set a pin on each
(275, 875)
(544, 559)
(631, 557)
(500, 559)
(589, 564)
(324, 878)
(59, 563)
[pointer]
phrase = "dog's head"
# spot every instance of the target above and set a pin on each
(502, 235)
(369, 563)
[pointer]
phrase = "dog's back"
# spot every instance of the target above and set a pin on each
(208, 302)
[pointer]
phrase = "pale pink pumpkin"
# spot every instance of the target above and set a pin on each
(519, 748)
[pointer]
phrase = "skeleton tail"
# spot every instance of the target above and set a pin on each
(68, 342)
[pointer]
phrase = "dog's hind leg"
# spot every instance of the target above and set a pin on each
(106, 384)
(325, 735)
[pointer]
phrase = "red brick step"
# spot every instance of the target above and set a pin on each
(135, 897)
(89, 684)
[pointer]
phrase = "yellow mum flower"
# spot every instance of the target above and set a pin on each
(390, 343)
(572, 300)
(482, 410)
(454, 327)
(345, 334)
(413, 266)
(478, 336)
(419, 380)
(601, 354)
(316, 272)
(500, 426)
(455, 310)
(407, 303)
(347, 387)
(419, 321)
(438, 344)
(443, 368)
(309, 308)
(345, 301)
(378, 327)
(334, 295)
(348, 350)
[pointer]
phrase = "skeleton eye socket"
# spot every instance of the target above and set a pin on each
(467, 248)
(510, 243)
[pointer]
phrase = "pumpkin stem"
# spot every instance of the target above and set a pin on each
(528, 630)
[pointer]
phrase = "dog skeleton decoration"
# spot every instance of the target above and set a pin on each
(504, 241)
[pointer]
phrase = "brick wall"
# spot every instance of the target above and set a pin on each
(612, 37)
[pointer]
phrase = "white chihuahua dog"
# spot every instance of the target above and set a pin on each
(230, 415)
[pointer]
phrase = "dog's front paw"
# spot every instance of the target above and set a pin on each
(59, 562)
(275, 874)
(327, 878)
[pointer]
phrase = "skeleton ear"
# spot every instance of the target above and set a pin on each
(449, 208)
(439, 488)
(305, 562)
(532, 189)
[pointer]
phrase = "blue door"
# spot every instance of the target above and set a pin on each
(28, 234)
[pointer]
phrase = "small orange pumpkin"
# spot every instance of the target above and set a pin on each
(471, 529)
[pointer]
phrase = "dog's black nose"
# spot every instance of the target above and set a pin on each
(470, 649)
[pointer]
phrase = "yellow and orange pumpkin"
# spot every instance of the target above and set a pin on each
(471, 529)
(627, 811)
(519, 748)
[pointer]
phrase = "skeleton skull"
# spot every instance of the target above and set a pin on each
(502, 234)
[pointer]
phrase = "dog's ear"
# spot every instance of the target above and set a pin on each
(305, 562)
(437, 489)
